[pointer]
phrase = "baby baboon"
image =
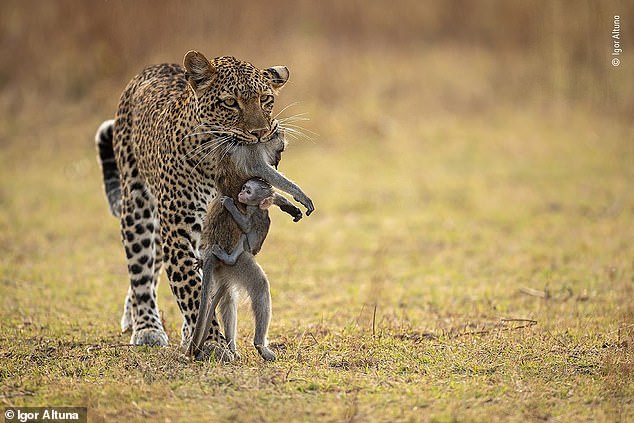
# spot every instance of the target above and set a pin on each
(255, 197)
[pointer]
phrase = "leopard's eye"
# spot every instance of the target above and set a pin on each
(267, 100)
(230, 102)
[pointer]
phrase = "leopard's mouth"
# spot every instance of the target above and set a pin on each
(276, 131)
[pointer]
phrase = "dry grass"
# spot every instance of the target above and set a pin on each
(471, 254)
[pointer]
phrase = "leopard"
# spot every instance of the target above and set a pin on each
(178, 131)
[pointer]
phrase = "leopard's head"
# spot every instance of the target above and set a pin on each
(235, 99)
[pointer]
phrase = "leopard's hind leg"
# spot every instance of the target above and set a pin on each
(128, 304)
(139, 228)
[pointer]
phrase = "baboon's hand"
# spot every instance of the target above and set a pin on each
(306, 202)
(293, 211)
(224, 199)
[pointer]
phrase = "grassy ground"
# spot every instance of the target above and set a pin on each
(470, 258)
(389, 302)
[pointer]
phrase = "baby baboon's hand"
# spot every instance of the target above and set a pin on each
(306, 202)
(293, 211)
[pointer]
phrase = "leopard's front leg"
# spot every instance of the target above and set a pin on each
(181, 226)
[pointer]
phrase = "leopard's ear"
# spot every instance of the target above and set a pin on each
(276, 76)
(200, 71)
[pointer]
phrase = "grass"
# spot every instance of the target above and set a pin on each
(470, 258)
(388, 302)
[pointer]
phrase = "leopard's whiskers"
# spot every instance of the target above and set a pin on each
(281, 111)
(294, 118)
(297, 132)
(227, 150)
(206, 144)
(215, 147)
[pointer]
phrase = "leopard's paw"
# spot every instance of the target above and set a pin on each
(152, 337)
(212, 350)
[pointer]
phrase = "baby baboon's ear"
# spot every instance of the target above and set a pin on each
(200, 71)
(266, 203)
(277, 76)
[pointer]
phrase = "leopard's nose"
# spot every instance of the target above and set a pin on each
(259, 132)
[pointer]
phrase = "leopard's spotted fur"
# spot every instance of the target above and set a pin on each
(161, 159)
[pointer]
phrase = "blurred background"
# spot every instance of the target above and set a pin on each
(451, 143)
(396, 60)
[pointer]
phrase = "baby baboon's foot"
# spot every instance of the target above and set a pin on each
(218, 251)
(265, 352)
(152, 337)
(213, 350)
(222, 255)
